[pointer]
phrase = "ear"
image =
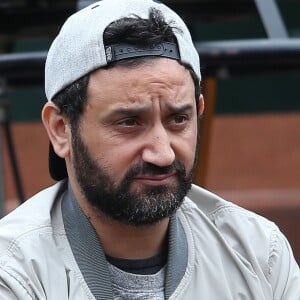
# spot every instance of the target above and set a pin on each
(201, 105)
(57, 128)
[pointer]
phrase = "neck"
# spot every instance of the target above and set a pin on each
(125, 241)
(130, 242)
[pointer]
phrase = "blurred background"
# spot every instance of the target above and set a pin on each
(250, 57)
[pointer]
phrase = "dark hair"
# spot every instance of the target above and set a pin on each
(131, 30)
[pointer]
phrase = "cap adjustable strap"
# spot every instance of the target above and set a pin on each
(123, 51)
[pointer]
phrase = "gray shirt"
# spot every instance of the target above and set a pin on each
(136, 286)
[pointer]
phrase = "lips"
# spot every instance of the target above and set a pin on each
(156, 179)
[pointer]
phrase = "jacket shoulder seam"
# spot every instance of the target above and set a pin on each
(15, 241)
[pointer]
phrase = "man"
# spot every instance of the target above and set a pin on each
(124, 221)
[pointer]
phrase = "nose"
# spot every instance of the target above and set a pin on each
(158, 149)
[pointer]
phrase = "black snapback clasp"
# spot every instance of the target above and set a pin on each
(123, 51)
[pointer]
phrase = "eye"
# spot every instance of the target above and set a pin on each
(178, 122)
(129, 122)
(178, 119)
(128, 125)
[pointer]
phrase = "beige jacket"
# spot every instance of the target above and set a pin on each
(230, 253)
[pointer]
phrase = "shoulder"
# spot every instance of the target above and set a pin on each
(251, 237)
(27, 242)
(244, 231)
(228, 218)
(28, 222)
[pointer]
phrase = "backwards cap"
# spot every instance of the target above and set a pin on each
(78, 49)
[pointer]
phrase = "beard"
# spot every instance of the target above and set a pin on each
(144, 206)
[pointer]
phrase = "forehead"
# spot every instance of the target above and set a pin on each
(163, 79)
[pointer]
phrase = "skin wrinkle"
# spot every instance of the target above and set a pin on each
(112, 96)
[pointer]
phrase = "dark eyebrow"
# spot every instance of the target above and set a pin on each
(137, 111)
(179, 109)
(132, 111)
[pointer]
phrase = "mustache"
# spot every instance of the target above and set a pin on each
(151, 169)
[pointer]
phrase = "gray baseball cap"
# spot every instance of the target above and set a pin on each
(78, 49)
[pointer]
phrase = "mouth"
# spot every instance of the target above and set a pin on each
(156, 180)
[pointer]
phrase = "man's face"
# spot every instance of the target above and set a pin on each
(134, 150)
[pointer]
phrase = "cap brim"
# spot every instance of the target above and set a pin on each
(57, 165)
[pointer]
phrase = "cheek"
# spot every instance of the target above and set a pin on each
(117, 158)
(185, 148)
(118, 153)
(114, 153)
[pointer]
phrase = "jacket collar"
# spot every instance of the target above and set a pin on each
(88, 253)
